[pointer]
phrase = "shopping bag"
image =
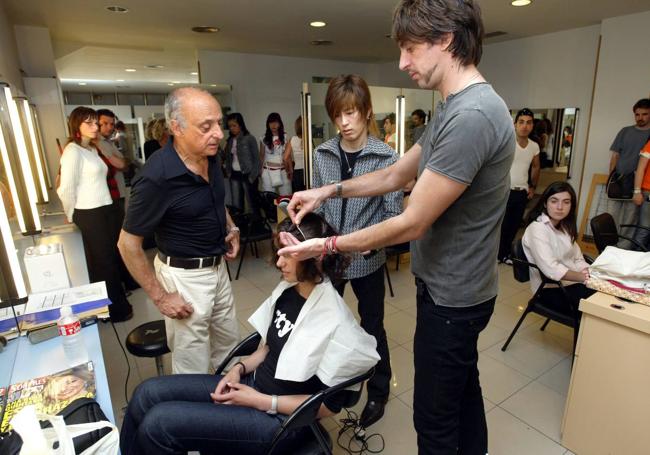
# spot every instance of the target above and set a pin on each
(58, 439)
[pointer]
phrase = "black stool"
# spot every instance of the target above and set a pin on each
(149, 340)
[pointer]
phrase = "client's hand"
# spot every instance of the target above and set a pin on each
(243, 395)
(585, 273)
(232, 377)
(300, 250)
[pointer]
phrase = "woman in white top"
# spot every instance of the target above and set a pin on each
(550, 243)
(389, 129)
(84, 193)
(294, 158)
(272, 148)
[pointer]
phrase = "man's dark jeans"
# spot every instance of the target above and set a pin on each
(447, 404)
(515, 209)
(370, 291)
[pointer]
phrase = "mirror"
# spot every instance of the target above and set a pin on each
(555, 131)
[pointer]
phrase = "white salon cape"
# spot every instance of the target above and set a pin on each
(326, 340)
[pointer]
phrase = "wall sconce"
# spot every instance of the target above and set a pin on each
(400, 126)
(12, 284)
(34, 149)
(41, 147)
(17, 164)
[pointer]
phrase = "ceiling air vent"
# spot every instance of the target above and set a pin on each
(321, 42)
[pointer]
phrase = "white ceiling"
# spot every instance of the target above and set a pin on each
(93, 44)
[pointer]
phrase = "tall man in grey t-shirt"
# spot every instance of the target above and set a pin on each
(453, 218)
(624, 158)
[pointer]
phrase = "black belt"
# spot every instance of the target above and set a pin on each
(190, 263)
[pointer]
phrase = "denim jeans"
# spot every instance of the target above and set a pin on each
(175, 414)
(448, 407)
(642, 235)
(515, 209)
(370, 291)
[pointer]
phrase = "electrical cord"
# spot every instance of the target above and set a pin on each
(128, 365)
(358, 436)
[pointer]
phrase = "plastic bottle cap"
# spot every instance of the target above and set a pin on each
(66, 311)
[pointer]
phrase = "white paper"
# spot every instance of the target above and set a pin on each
(70, 296)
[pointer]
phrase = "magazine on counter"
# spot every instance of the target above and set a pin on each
(51, 393)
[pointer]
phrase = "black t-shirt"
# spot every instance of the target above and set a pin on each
(286, 311)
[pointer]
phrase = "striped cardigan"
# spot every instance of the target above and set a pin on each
(359, 212)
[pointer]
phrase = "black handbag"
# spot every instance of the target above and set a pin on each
(81, 410)
(620, 186)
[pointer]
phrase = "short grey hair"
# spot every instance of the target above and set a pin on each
(174, 103)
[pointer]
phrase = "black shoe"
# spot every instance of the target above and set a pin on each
(122, 317)
(373, 411)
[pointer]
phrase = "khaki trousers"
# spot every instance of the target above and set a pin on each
(205, 338)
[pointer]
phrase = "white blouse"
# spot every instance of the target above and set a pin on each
(551, 250)
(83, 180)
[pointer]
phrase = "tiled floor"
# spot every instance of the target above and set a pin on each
(524, 388)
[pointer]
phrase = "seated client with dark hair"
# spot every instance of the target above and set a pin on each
(310, 341)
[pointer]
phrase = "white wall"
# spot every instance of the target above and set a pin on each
(35, 51)
(623, 78)
(264, 83)
(555, 70)
(9, 63)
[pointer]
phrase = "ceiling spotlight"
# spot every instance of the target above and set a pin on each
(317, 24)
(213, 85)
(130, 70)
(119, 80)
(176, 82)
(194, 73)
(521, 2)
(205, 29)
(117, 9)
(171, 84)
(82, 83)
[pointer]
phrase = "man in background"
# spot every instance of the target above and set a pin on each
(521, 188)
(624, 159)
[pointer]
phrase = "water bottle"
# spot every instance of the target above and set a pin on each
(70, 330)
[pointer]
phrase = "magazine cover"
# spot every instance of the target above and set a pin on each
(51, 393)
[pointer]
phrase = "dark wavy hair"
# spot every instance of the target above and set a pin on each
(568, 224)
(314, 226)
(77, 117)
(268, 136)
(237, 117)
(429, 20)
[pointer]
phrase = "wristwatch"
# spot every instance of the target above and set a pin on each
(274, 405)
(339, 188)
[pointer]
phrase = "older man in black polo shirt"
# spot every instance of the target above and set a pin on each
(179, 196)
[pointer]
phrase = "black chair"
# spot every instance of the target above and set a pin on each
(149, 340)
(397, 251)
(253, 229)
(566, 313)
(268, 207)
(606, 234)
(318, 440)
